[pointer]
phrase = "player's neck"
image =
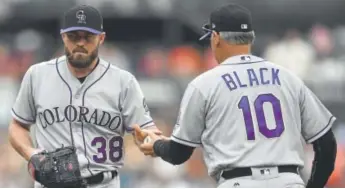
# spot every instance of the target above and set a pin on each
(83, 72)
(234, 51)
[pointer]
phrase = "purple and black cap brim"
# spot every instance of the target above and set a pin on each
(80, 29)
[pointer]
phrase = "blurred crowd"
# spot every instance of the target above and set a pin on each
(317, 56)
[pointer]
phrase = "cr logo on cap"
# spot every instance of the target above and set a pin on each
(80, 15)
(244, 26)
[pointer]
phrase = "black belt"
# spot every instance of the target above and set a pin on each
(242, 172)
(96, 179)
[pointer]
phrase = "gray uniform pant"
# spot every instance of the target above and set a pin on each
(269, 179)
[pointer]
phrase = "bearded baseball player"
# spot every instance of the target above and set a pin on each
(81, 106)
(249, 115)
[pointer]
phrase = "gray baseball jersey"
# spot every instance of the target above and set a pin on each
(97, 112)
(249, 112)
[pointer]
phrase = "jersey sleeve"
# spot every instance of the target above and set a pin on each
(134, 107)
(316, 119)
(191, 119)
(23, 109)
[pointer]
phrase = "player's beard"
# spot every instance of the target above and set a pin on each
(78, 61)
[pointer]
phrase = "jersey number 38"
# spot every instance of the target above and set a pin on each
(115, 149)
(260, 116)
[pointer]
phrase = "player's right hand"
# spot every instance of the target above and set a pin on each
(139, 134)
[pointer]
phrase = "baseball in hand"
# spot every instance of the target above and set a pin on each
(147, 139)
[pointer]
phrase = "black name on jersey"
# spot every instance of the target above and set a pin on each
(251, 78)
(79, 114)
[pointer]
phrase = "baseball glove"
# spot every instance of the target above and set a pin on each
(57, 169)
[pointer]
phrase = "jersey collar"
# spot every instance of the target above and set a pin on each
(98, 72)
(242, 59)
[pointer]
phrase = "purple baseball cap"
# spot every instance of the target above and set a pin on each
(84, 17)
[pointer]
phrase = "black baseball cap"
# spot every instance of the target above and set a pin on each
(230, 18)
(83, 17)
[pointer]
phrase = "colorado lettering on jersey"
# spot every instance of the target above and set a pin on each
(261, 76)
(79, 114)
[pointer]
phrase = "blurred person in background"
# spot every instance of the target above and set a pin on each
(184, 61)
(115, 56)
(153, 63)
(213, 103)
(300, 54)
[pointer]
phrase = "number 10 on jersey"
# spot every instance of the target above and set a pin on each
(244, 105)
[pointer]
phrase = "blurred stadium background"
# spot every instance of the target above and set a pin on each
(157, 40)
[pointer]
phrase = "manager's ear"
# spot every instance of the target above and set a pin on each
(215, 38)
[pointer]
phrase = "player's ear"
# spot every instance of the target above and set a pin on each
(102, 38)
(63, 36)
